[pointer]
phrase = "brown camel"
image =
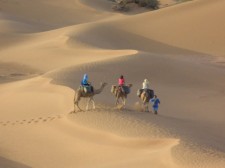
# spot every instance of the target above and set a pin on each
(80, 94)
(119, 94)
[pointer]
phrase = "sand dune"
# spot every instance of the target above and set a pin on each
(46, 47)
(195, 25)
(56, 13)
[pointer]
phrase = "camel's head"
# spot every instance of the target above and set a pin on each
(103, 84)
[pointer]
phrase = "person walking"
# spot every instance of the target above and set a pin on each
(155, 104)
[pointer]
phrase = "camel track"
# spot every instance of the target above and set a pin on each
(30, 121)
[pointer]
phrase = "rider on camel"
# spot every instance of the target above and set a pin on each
(121, 82)
(86, 83)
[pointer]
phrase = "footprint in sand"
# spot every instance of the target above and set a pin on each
(30, 121)
(59, 116)
(72, 112)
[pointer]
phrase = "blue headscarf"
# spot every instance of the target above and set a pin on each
(85, 80)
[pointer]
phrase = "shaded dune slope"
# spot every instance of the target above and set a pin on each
(48, 14)
(196, 25)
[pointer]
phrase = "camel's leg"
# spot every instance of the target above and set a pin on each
(117, 101)
(143, 107)
(146, 107)
(87, 107)
(77, 105)
(117, 98)
(145, 103)
(124, 101)
(93, 103)
(74, 102)
(120, 101)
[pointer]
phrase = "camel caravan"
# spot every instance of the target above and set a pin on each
(120, 91)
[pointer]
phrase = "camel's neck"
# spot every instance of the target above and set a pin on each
(97, 91)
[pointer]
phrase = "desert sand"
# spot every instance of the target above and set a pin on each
(45, 48)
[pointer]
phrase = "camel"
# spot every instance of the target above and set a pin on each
(145, 97)
(119, 94)
(80, 94)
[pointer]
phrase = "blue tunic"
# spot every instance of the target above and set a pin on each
(85, 80)
(155, 102)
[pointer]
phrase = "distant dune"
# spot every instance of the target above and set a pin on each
(195, 25)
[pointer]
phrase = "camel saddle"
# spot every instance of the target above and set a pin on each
(150, 93)
(86, 89)
(124, 88)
